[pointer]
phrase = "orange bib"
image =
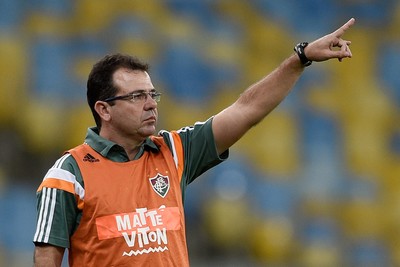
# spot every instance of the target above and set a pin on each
(132, 211)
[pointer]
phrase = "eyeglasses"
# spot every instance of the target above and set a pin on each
(137, 97)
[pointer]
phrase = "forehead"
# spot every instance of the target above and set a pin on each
(127, 80)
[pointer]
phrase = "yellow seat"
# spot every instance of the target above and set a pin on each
(218, 214)
(13, 79)
(48, 24)
(42, 125)
(77, 121)
(271, 241)
(273, 144)
(93, 16)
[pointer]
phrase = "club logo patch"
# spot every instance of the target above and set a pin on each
(160, 184)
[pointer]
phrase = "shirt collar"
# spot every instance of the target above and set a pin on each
(111, 150)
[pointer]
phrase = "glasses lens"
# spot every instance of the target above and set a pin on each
(139, 97)
(156, 96)
(136, 97)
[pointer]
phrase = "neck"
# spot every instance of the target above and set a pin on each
(130, 145)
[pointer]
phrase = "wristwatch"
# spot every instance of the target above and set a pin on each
(299, 49)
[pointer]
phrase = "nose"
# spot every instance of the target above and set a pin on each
(150, 103)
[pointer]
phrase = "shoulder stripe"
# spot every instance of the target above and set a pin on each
(185, 129)
(191, 128)
(61, 160)
(60, 174)
(171, 139)
(64, 180)
(46, 215)
(177, 152)
(176, 149)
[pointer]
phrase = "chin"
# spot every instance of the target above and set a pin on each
(149, 132)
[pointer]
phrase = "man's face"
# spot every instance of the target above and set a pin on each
(130, 118)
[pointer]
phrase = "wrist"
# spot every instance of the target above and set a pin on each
(299, 49)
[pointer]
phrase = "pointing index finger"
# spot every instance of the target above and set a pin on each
(339, 32)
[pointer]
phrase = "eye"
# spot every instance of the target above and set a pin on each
(155, 96)
(139, 96)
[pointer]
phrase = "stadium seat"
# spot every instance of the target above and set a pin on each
(136, 36)
(272, 241)
(14, 69)
(60, 8)
(369, 252)
(319, 235)
(188, 77)
(44, 119)
(93, 16)
(272, 146)
(291, 13)
(373, 14)
(12, 15)
(50, 68)
(389, 64)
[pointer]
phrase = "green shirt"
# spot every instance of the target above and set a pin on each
(58, 212)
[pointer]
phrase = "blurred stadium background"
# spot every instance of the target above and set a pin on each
(317, 183)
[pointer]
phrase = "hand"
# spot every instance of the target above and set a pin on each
(324, 48)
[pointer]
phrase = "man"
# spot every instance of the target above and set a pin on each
(117, 199)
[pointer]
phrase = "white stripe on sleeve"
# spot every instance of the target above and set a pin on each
(46, 215)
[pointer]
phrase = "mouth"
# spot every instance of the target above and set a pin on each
(150, 119)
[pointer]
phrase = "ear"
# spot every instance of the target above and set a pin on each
(103, 109)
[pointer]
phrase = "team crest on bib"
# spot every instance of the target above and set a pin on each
(160, 184)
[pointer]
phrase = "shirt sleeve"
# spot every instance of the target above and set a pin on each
(199, 150)
(58, 199)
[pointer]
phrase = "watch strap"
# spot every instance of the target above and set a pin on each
(299, 49)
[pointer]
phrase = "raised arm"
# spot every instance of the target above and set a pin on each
(261, 98)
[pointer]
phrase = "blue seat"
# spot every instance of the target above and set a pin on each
(18, 220)
(319, 229)
(324, 173)
(12, 14)
(187, 76)
(388, 69)
(62, 8)
(202, 11)
(50, 68)
(134, 27)
(54, 63)
(395, 143)
(319, 128)
(368, 252)
(297, 14)
(273, 197)
(375, 14)
(233, 176)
